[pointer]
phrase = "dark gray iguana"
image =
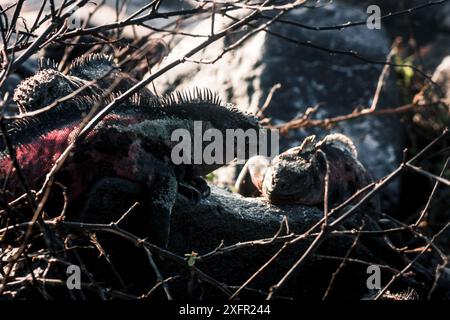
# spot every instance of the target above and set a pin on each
(129, 150)
(298, 174)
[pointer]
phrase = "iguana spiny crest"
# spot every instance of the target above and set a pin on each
(92, 66)
(102, 68)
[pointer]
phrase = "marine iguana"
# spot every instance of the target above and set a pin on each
(128, 150)
(49, 84)
(298, 174)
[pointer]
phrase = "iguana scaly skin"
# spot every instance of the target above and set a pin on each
(130, 149)
(101, 67)
(49, 84)
(298, 174)
(45, 87)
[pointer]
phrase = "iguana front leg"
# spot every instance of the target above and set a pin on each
(160, 198)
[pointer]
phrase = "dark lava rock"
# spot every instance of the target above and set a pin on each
(225, 219)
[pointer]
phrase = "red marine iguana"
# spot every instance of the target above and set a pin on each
(129, 150)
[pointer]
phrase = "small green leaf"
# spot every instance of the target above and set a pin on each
(192, 258)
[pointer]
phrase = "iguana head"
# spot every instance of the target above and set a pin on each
(44, 88)
(298, 174)
(294, 177)
(92, 66)
(107, 75)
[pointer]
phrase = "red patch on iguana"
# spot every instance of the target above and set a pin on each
(36, 158)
